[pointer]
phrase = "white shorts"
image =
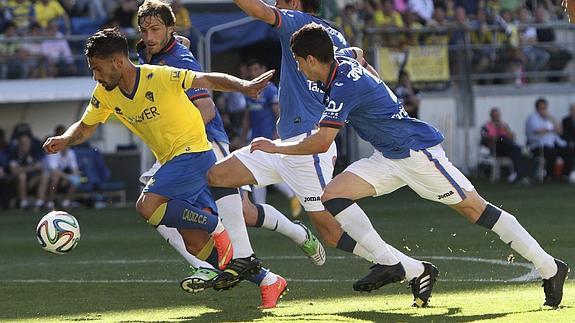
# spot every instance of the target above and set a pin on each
(428, 172)
(306, 175)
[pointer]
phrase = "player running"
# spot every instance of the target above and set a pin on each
(300, 111)
(151, 102)
(408, 152)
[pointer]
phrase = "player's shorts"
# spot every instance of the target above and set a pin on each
(306, 175)
(184, 178)
(428, 172)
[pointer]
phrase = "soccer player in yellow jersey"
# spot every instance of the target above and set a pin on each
(152, 103)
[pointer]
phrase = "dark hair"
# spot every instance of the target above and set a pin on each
(539, 101)
(311, 6)
(312, 39)
(106, 42)
(156, 8)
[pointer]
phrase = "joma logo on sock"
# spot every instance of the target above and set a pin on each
(444, 195)
(311, 199)
(194, 217)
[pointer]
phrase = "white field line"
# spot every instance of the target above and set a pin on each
(532, 275)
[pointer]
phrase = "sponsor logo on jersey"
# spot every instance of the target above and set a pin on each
(150, 96)
(311, 199)
(95, 102)
(314, 87)
(150, 76)
(444, 195)
(146, 115)
(175, 75)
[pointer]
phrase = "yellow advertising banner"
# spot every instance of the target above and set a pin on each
(423, 63)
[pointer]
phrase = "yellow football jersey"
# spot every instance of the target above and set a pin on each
(158, 111)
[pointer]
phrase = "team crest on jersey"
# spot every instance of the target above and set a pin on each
(95, 102)
(150, 76)
(118, 110)
(150, 96)
(175, 75)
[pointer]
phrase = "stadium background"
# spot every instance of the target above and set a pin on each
(456, 96)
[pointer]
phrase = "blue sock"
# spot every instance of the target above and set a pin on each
(257, 279)
(183, 215)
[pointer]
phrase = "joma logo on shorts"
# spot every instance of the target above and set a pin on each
(311, 199)
(444, 195)
(194, 217)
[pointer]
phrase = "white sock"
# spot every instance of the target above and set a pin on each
(230, 210)
(510, 231)
(269, 279)
(274, 220)
(284, 189)
(356, 223)
(360, 251)
(259, 194)
(174, 238)
(413, 268)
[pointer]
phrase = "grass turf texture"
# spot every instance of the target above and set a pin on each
(122, 270)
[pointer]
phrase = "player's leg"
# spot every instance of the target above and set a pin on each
(259, 168)
(443, 182)
(290, 194)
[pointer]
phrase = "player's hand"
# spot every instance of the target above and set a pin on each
(55, 144)
(254, 87)
(263, 144)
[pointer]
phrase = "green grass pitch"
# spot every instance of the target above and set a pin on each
(122, 270)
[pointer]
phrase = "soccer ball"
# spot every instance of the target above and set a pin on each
(58, 232)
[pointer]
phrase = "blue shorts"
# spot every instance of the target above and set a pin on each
(184, 178)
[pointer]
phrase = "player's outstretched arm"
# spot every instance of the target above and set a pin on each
(76, 134)
(228, 83)
(317, 143)
(258, 9)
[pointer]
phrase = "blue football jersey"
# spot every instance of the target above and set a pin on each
(300, 99)
(262, 115)
(177, 55)
(355, 96)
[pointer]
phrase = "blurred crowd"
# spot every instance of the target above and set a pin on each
(31, 179)
(549, 152)
(512, 36)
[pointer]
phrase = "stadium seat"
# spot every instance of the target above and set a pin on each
(92, 166)
(494, 162)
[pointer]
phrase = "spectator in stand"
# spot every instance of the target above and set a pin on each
(233, 105)
(11, 53)
(94, 9)
(471, 7)
(21, 12)
(385, 16)
(423, 9)
(400, 6)
(536, 57)
(183, 22)
(33, 58)
(559, 57)
(568, 124)
(48, 10)
(483, 56)
(498, 137)
(511, 58)
(59, 60)
(543, 138)
(62, 169)
(126, 16)
(439, 21)
(410, 96)
(411, 25)
(351, 25)
(5, 189)
(26, 168)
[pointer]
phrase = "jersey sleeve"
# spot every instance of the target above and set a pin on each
(289, 21)
(339, 105)
(176, 79)
(193, 93)
(97, 110)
